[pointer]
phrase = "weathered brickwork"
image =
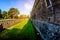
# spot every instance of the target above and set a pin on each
(51, 13)
(46, 18)
(39, 10)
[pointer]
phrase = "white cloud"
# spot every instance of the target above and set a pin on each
(28, 6)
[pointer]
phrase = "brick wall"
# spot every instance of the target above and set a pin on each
(40, 11)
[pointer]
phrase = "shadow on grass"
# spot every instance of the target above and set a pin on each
(1, 28)
(27, 33)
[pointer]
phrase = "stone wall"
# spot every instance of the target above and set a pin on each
(41, 11)
(47, 31)
(9, 22)
(55, 13)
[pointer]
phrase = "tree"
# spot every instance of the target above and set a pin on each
(13, 12)
(0, 13)
(5, 15)
(24, 16)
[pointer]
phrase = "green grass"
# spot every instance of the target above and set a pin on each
(0, 18)
(21, 31)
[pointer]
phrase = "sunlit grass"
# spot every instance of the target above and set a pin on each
(19, 25)
(21, 31)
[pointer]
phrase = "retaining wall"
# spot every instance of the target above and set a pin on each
(9, 22)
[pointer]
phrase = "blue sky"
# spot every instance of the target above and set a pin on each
(24, 6)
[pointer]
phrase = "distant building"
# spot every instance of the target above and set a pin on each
(46, 10)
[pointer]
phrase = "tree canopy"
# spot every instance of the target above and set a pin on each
(5, 15)
(13, 12)
(0, 13)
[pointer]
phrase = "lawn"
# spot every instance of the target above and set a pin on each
(21, 31)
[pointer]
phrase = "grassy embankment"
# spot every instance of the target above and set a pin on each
(21, 31)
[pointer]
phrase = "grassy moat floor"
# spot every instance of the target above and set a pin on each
(21, 31)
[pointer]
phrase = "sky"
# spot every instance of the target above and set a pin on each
(24, 6)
